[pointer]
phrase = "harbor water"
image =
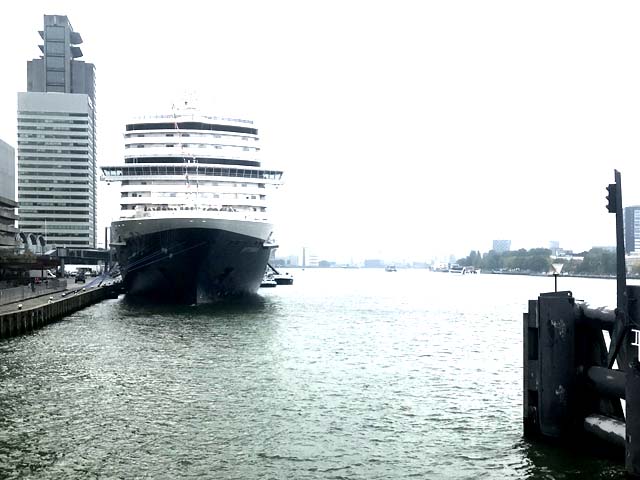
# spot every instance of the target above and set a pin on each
(347, 374)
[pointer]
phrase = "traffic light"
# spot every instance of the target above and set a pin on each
(612, 205)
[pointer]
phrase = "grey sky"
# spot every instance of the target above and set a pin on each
(421, 128)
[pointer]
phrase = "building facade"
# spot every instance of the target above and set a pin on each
(57, 170)
(8, 203)
(632, 229)
(501, 246)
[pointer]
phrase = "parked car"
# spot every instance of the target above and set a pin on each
(80, 278)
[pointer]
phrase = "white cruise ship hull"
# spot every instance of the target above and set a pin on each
(194, 207)
(191, 260)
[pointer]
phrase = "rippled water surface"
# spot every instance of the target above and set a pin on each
(353, 374)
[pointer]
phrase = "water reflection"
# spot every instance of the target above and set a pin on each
(548, 461)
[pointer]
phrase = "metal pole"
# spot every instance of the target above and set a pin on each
(620, 264)
(620, 327)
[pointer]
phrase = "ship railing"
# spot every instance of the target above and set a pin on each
(181, 115)
(193, 212)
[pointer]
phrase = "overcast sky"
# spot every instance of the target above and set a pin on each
(405, 129)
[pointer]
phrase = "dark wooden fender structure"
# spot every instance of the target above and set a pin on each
(574, 380)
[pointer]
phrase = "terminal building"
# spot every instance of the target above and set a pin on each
(57, 171)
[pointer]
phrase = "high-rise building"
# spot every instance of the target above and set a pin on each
(500, 246)
(632, 229)
(57, 173)
(7, 196)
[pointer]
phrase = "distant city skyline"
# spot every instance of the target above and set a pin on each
(424, 129)
(354, 258)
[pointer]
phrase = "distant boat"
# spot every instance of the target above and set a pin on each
(455, 268)
(460, 270)
(390, 268)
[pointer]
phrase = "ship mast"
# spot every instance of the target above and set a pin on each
(185, 158)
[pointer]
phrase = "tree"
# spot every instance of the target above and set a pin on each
(598, 261)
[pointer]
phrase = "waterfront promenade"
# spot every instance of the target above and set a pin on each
(32, 313)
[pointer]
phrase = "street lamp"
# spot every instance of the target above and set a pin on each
(557, 268)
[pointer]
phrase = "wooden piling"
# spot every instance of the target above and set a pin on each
(556, 341)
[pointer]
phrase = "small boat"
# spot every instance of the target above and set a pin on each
(460, 270)
(390, 268)
(268, 281)
(283, 279)
(280, 278)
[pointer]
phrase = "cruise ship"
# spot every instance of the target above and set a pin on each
(194, 221)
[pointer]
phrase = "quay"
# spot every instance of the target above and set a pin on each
(23, 316)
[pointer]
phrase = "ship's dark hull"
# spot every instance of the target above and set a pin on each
(192, 265)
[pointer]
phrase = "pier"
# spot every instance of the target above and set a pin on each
(580, 363)
(30, 314)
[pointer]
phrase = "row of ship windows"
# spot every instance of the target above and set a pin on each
(208, 117)
(204, 183)
(190, 194)
(188, 145)
(115, 172)
(181, 135)
(210, 208)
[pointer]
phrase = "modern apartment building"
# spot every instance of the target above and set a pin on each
(7, 196)
(57, 174)
(632, 229)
